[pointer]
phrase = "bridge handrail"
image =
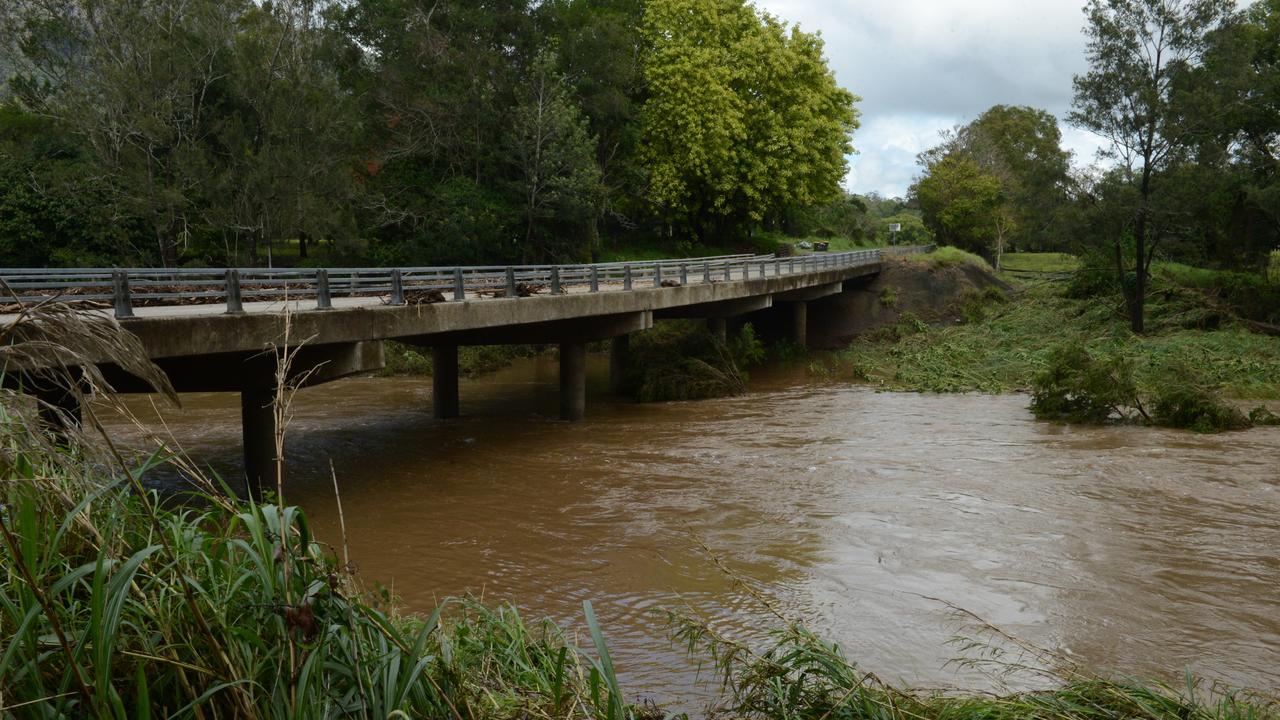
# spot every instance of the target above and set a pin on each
(125, 287)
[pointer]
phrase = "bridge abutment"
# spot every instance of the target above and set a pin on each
(444, 382)
(573, 381)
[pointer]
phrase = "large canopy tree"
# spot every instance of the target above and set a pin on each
(1136, 50)
(743, 116)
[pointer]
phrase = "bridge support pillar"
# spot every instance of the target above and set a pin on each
(444, 381)
(800, 323)
(258, 427)
(619, 352)
(719, 328)
(573, 381)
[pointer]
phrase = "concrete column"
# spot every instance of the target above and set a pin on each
(800, 323)
(619, 351)
(573, 381)
(444, 381)
(719, 328)
(258, 427)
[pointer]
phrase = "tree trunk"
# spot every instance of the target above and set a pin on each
(1139, 292)
(302, 246)
(168, 238)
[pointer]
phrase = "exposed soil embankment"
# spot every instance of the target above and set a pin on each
(934, 292)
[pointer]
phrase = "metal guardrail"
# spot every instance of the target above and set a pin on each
(126, 288)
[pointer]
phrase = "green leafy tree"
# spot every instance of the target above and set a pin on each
(1136, 50)
(292, 128)
(55, 207)
(742, 117)
(601, 50)
(964, 206)
(555, 157)
(141, 83)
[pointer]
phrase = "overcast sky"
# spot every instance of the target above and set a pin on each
(921, 66)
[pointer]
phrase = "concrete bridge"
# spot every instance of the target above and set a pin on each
(224, 330)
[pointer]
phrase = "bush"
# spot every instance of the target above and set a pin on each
(1191, 406)
(683, 361)
(1076, 387)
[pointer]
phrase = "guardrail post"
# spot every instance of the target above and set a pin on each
(706, 271)
(595, 279)
(657, 275)
(728, 270)
(684, 274)
(511, 282)
(626, 277)
(397, 288)
(323, 300)
(459, 289)
(121, 296)
(777, 267)
(234, 303)
(555, 279)
(761, 266)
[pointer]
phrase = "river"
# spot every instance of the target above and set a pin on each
(1130, 550)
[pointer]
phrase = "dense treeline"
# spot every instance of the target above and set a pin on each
(1186, 96)
(220, 131)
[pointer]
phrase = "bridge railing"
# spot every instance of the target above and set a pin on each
(123, 289)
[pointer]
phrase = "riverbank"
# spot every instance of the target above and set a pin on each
(998, 343)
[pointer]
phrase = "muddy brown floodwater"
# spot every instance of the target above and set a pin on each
(1133, 551)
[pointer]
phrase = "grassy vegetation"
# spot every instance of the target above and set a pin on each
(115, 607)
(1005, 345)
(799, 676)
(1040, 262)
(947, 256)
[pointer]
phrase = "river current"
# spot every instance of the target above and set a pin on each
(866, 515)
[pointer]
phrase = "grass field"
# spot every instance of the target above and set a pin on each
(1040, 262)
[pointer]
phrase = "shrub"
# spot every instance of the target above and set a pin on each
(1077, 387)
(1186, 402)
(682, 361)
(888, 297)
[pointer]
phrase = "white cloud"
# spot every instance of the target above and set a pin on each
(922, 66)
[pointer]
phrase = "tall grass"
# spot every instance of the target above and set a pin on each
(116, 604)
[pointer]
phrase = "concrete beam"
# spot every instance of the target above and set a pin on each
(224, 372)
(587, 329)
(573, 381)
(720, 309)
(812, 293)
